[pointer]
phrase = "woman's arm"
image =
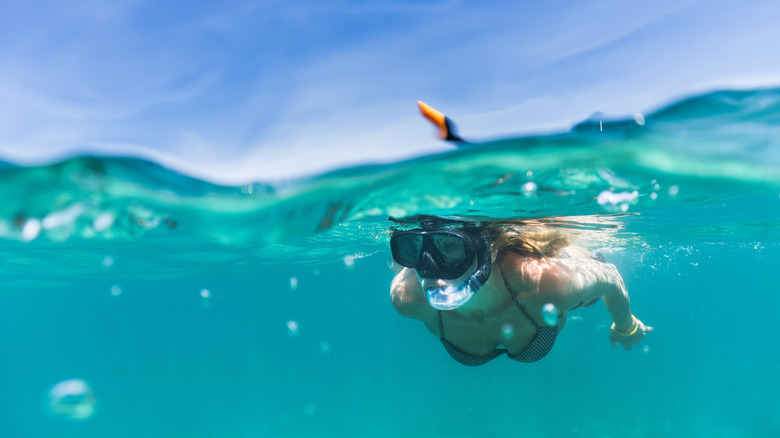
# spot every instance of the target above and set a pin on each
(572, 281)
(587, 279)
(590, 279)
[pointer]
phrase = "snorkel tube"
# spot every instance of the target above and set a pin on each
(452, 297)
(445, 125)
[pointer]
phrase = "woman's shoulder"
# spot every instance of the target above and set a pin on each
(531, 277)
(522, 273)
(522, 265)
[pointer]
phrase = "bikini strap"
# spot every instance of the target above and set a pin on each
(441, 325)
(514, 299)
(527, 316)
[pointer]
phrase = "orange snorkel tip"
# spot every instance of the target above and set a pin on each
(442, 122)
(436, 117)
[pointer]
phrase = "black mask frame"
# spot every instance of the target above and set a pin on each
(442, 253)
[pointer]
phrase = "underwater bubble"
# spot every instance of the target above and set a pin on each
(292, 327)
(645, 350)
(73, 399)
(116, 290)
(349, 261)
(654, 196)
(550, 314)
(103, 221)
(63, 217)
(31, 229)
(608, 197)
(108, 261)
(617, 201)
(639, 119)
(205, 300)
(293, 283)
(529, 188)
(325, 347)
(507, 331)
(674, 190)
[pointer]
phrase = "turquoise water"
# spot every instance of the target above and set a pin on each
(196, 310)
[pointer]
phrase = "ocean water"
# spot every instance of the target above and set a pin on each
(196, 310)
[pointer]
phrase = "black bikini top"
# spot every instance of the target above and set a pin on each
(540, 345)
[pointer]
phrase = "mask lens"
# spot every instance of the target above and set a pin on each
(447, 255)
(406, 249)
(452, 248)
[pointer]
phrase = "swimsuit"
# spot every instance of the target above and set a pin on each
(540, 345)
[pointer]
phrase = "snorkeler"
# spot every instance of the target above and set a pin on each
(491, 289)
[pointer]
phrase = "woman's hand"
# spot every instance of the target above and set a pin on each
(629, 337)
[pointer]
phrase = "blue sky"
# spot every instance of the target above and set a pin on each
(238, 91)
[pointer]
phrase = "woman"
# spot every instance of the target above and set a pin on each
(488, 290)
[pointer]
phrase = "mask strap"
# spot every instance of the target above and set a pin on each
(481, 275)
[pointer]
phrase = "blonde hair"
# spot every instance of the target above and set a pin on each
(533, 241)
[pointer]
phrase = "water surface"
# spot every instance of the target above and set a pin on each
(198, 310)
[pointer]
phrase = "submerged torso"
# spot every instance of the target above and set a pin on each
(476, 334)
